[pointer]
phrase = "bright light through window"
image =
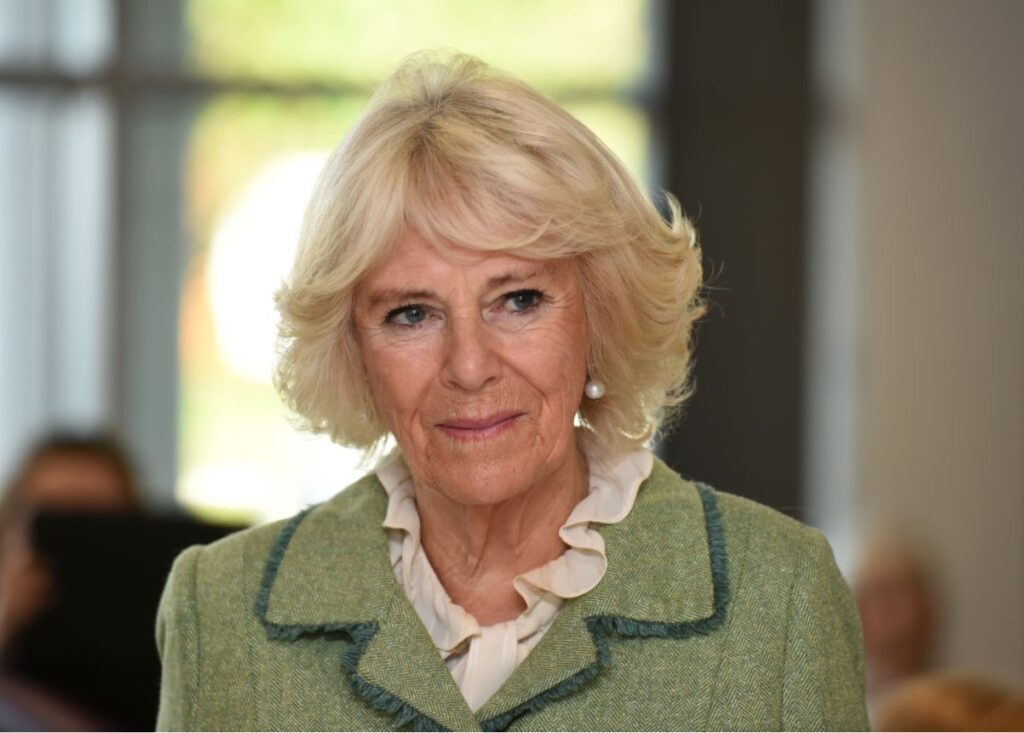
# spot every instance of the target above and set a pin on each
(250, 254)
(268, 470)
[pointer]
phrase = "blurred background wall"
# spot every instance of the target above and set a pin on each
(855, 169)
(941, 349)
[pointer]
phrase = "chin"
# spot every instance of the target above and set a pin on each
(485, 470)
(482, 480)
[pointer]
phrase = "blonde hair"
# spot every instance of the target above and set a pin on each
(466, 155)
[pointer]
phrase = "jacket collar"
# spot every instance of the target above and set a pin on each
(330, 571)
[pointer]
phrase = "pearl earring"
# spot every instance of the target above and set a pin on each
(594, 389)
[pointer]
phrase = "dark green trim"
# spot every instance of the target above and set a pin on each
(402, 713)
(273, 564)
(601, 627)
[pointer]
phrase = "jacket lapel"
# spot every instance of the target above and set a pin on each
(330, 572)
(666, 577)
(401, 662)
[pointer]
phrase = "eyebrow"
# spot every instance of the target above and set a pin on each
(400, 295)
(392, 295)
(517, 276)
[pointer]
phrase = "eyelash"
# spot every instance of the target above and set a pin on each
(389, 319)
(538, 298)
(393, 314)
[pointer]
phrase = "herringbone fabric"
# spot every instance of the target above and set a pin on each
(715, 613)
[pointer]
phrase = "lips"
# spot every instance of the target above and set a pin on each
(480, 428)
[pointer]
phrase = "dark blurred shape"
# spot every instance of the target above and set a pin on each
(81, 571)
(94, 645)
(898, 601)
(734, 130)
(66, 472)
(950, 703)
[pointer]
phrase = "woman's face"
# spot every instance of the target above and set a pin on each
(477, 363)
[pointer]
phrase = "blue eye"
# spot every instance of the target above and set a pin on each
(407, 315)
(523, 301)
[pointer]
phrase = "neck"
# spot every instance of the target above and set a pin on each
(477, 551)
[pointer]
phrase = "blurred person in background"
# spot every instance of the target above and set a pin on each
(898, 601)
(63, 472)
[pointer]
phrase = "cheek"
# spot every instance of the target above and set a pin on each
(399, 377)
(555, 362)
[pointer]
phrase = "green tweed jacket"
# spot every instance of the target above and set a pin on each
(715, 613)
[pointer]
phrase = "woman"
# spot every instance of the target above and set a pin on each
(480, 278)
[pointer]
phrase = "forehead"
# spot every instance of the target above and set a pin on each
(414, 261)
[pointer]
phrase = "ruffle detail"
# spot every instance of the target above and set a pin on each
(473, 652)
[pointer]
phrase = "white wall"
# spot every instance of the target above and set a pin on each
(940, 446)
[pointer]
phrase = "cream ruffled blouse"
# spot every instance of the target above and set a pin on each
(481, 658)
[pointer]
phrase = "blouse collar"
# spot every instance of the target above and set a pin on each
(614, 480)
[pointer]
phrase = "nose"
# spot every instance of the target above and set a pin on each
(471, 361)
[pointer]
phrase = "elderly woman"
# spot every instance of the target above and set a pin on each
(480, 278)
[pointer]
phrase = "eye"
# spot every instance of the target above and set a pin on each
(407, 315)
(523, 301)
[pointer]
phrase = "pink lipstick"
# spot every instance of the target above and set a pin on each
(479, 429)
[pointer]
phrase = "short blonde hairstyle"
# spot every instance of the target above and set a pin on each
(466, 155)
